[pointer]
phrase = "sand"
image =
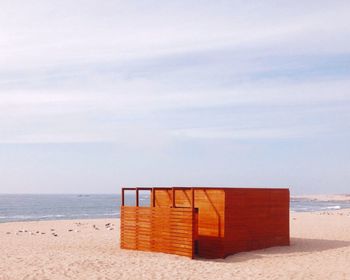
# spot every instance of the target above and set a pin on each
(320, 249)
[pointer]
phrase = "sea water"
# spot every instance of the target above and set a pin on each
(33, 207)
(28, 207)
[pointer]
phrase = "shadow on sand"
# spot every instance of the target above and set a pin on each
(298, 246)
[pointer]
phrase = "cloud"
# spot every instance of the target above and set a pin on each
(177, 92)
(276, 111)
(39, 34)
(108, 72)
(229, 133)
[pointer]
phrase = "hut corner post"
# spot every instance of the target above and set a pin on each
(194, 224)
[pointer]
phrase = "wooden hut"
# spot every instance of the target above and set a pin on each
(205, 222)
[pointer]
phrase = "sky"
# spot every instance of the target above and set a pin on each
(95, 95)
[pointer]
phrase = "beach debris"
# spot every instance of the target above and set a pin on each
(25, 230)
(55, 234)
(70, 230)
(52, 229)
(109, 226)
(43, 233)
(95, 227)
(8, 232)
(37, 232)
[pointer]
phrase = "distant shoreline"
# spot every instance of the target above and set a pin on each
(323, 197)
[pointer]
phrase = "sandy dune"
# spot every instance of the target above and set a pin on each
(320, 249)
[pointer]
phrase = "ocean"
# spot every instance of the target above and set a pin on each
(27, 207)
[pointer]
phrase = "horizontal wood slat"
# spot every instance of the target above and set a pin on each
(167, 230)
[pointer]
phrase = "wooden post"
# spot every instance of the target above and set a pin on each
(173, 198)
(122, 196)
(193, 224)
(137, 197)
(153, 202)
(192, 194)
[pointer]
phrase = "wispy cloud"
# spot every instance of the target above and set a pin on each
(90, 75)
(177, 89)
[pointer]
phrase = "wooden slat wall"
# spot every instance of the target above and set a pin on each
(167, 230)
(256, 219)
(211, 216)
(210, 204)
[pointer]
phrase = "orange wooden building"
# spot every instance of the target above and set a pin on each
(205, 222)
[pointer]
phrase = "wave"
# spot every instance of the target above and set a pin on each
(20, 217)
(26, 217)
(111, 214)
(333, 207)
(52, 216)
(57, 216)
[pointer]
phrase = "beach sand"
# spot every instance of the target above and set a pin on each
(320, 249)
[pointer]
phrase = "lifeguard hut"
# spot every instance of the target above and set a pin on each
(205, 222)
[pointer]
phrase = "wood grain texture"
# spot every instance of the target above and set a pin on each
(167, 230)
(256, 219)
(211, 216)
